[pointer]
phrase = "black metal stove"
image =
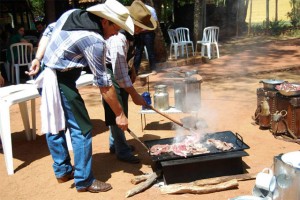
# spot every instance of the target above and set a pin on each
(177, 169)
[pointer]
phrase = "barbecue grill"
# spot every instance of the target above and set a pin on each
(178, 169)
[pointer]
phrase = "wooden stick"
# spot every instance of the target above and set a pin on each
(143, 186)
(138, 179)
(217, 180)
(168, 117)
(193, 189)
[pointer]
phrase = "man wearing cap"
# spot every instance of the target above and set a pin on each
(118, 55)
(77, 40)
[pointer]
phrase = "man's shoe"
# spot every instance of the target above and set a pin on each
(132, 148)
(112, 149)
(130, 159)
(96, 187)
(66, 177)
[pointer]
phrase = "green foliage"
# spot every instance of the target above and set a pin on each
(277, 27)
(258, 29)
(293, 33)
(294, 15)
(37, 7)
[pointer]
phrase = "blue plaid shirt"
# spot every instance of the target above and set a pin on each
(116, 55)
(69, 49)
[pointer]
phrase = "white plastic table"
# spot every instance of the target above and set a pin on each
(144, 112)
(20, 94)
(10, 95)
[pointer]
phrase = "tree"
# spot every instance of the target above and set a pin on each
(199, 19)
(267, 15)
(250, 18)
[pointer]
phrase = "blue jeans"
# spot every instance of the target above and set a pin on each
(144, 39)
(82, 148)
(118, 141)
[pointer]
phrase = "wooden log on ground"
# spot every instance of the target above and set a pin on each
(194, 189)
(217, 180)
(138, 179)
(145, 185)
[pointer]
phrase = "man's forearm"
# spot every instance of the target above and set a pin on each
(110, 96)
(42, 48)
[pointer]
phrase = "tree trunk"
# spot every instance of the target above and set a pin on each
(50, 11)
(54, 9)
(250, 18)
(267, 14)
(203, 25)
(237, 18)
(159, 43)
(276, 10)
(197, 21)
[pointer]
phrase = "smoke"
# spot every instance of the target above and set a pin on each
(197, 125)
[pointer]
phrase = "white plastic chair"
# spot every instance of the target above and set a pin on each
(183, 35)
(210, 41)
(175, 43)
(23, 57)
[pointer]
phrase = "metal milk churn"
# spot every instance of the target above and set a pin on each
(161, 97)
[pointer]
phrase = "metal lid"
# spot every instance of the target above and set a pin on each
(271, 81)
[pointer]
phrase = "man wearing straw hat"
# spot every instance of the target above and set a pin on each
(118, 55)
(76, 40)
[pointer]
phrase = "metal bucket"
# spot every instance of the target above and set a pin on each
(288, 180)
(187, 94)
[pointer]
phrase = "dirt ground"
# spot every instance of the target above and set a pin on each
(228, 102)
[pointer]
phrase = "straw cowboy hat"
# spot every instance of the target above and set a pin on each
(141, 16)
(115, 12)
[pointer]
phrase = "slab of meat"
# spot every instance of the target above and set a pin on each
(159, 149)
(224, 146)
(180, 149)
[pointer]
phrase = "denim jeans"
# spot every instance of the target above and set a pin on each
(118, 141)
(82, 148)
(144, 39)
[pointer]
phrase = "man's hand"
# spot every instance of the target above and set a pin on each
(34, 69)
(122, 121)
(109, 95)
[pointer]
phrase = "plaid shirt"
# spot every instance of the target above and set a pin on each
(69, 49)
(116, 55)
